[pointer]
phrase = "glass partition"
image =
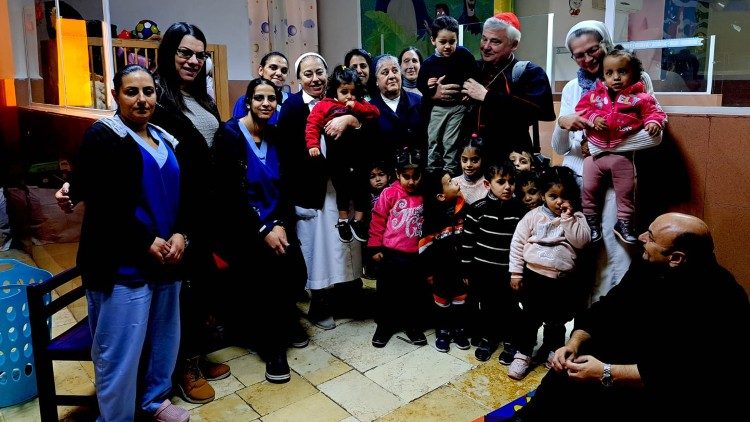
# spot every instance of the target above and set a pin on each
(677, 37)
(62, 67)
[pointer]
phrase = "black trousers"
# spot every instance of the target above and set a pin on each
(402, 294)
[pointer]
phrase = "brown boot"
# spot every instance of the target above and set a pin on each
(213, 371)
(191, 384)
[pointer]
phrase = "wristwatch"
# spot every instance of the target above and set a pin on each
(607, 379)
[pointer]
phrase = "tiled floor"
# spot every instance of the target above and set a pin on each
(338, 377)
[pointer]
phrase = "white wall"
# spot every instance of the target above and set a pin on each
(339, 28)
(223, 22)
(15, 15)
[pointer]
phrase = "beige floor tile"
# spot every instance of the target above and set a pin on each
(443, 404)
(71, 378)
(226, 386)
(489, 384)
(226, 354)
(360, 396)
(88, 366)
(266, 397)
(418, 372)
(63, 317)
(351, 343)
(350, 419)
(24, 412)
(229, 408)
(315, 364)
(178, 401)
(465, 355)
(248, 369)
(316, 408)
(61, 328)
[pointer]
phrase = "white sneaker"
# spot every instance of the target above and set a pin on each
(519, 367)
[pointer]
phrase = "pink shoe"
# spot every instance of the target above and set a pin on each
(519, 367)
(168, 412)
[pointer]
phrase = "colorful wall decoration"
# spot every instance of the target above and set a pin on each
(390, 25)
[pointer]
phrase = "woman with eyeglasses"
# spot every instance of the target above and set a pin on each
(257, 228)
(588, 43)
(186, 110)
(274, 66)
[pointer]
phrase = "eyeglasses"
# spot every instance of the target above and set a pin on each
(590, 52)
(261, 97)
(187, 53)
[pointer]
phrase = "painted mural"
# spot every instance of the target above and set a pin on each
(390, 25)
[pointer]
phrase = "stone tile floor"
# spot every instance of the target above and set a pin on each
(338, 377)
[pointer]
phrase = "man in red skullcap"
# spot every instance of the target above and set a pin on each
(508, 105)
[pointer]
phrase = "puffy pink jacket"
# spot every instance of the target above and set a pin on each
(396, 220)
(631, 109)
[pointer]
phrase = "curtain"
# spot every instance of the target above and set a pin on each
(287, 26)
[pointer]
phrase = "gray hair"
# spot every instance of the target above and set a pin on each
(494, 23)
(381, 60)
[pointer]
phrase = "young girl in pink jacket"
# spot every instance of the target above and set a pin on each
(542, 263)
(395, 230)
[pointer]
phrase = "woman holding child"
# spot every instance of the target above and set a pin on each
(588, 43)
(329, 261)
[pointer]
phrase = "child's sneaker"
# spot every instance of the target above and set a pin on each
(595, 226)
(359, 230)
(345, 231)
(519, 367)
(443, 340)
(460, 339)
(507, 355)
(485, 350)
(624, 231)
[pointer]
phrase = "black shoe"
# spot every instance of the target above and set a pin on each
(476, 341)
(416, 337)
(382, 336)
(299, 338)
(485, 349)
(624, 231)
(595, 226)
(345, 231)
(443, 340)
(507, 355)
(460, 339)
(277, 369)
(359, 230)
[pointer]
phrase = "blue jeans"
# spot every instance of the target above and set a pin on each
(136, 332)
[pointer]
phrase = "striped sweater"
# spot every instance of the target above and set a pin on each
(488, 231)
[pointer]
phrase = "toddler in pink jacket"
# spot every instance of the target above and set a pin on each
(615, 109)
(542, 265)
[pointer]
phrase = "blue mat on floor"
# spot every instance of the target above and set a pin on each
(509, 409)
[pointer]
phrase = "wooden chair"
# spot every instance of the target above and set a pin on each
(72, 345)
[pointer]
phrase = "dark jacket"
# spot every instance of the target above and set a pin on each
(196, 168)
(509, 108)
(405, 127)
(107, 178)
(311, 176)
(239, 222)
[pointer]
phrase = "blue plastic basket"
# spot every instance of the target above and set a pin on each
(17, 377)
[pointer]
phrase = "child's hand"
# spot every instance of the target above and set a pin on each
(314, 152)
(567, 210)
(377, 257)
(600, 123)
(653, 129)
(516, 280)
(432, 82)
(350, 104)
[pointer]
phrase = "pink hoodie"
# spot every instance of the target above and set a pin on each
(396, 220)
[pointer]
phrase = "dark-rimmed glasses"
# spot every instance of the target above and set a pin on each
(187, 53)
(590, 52)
